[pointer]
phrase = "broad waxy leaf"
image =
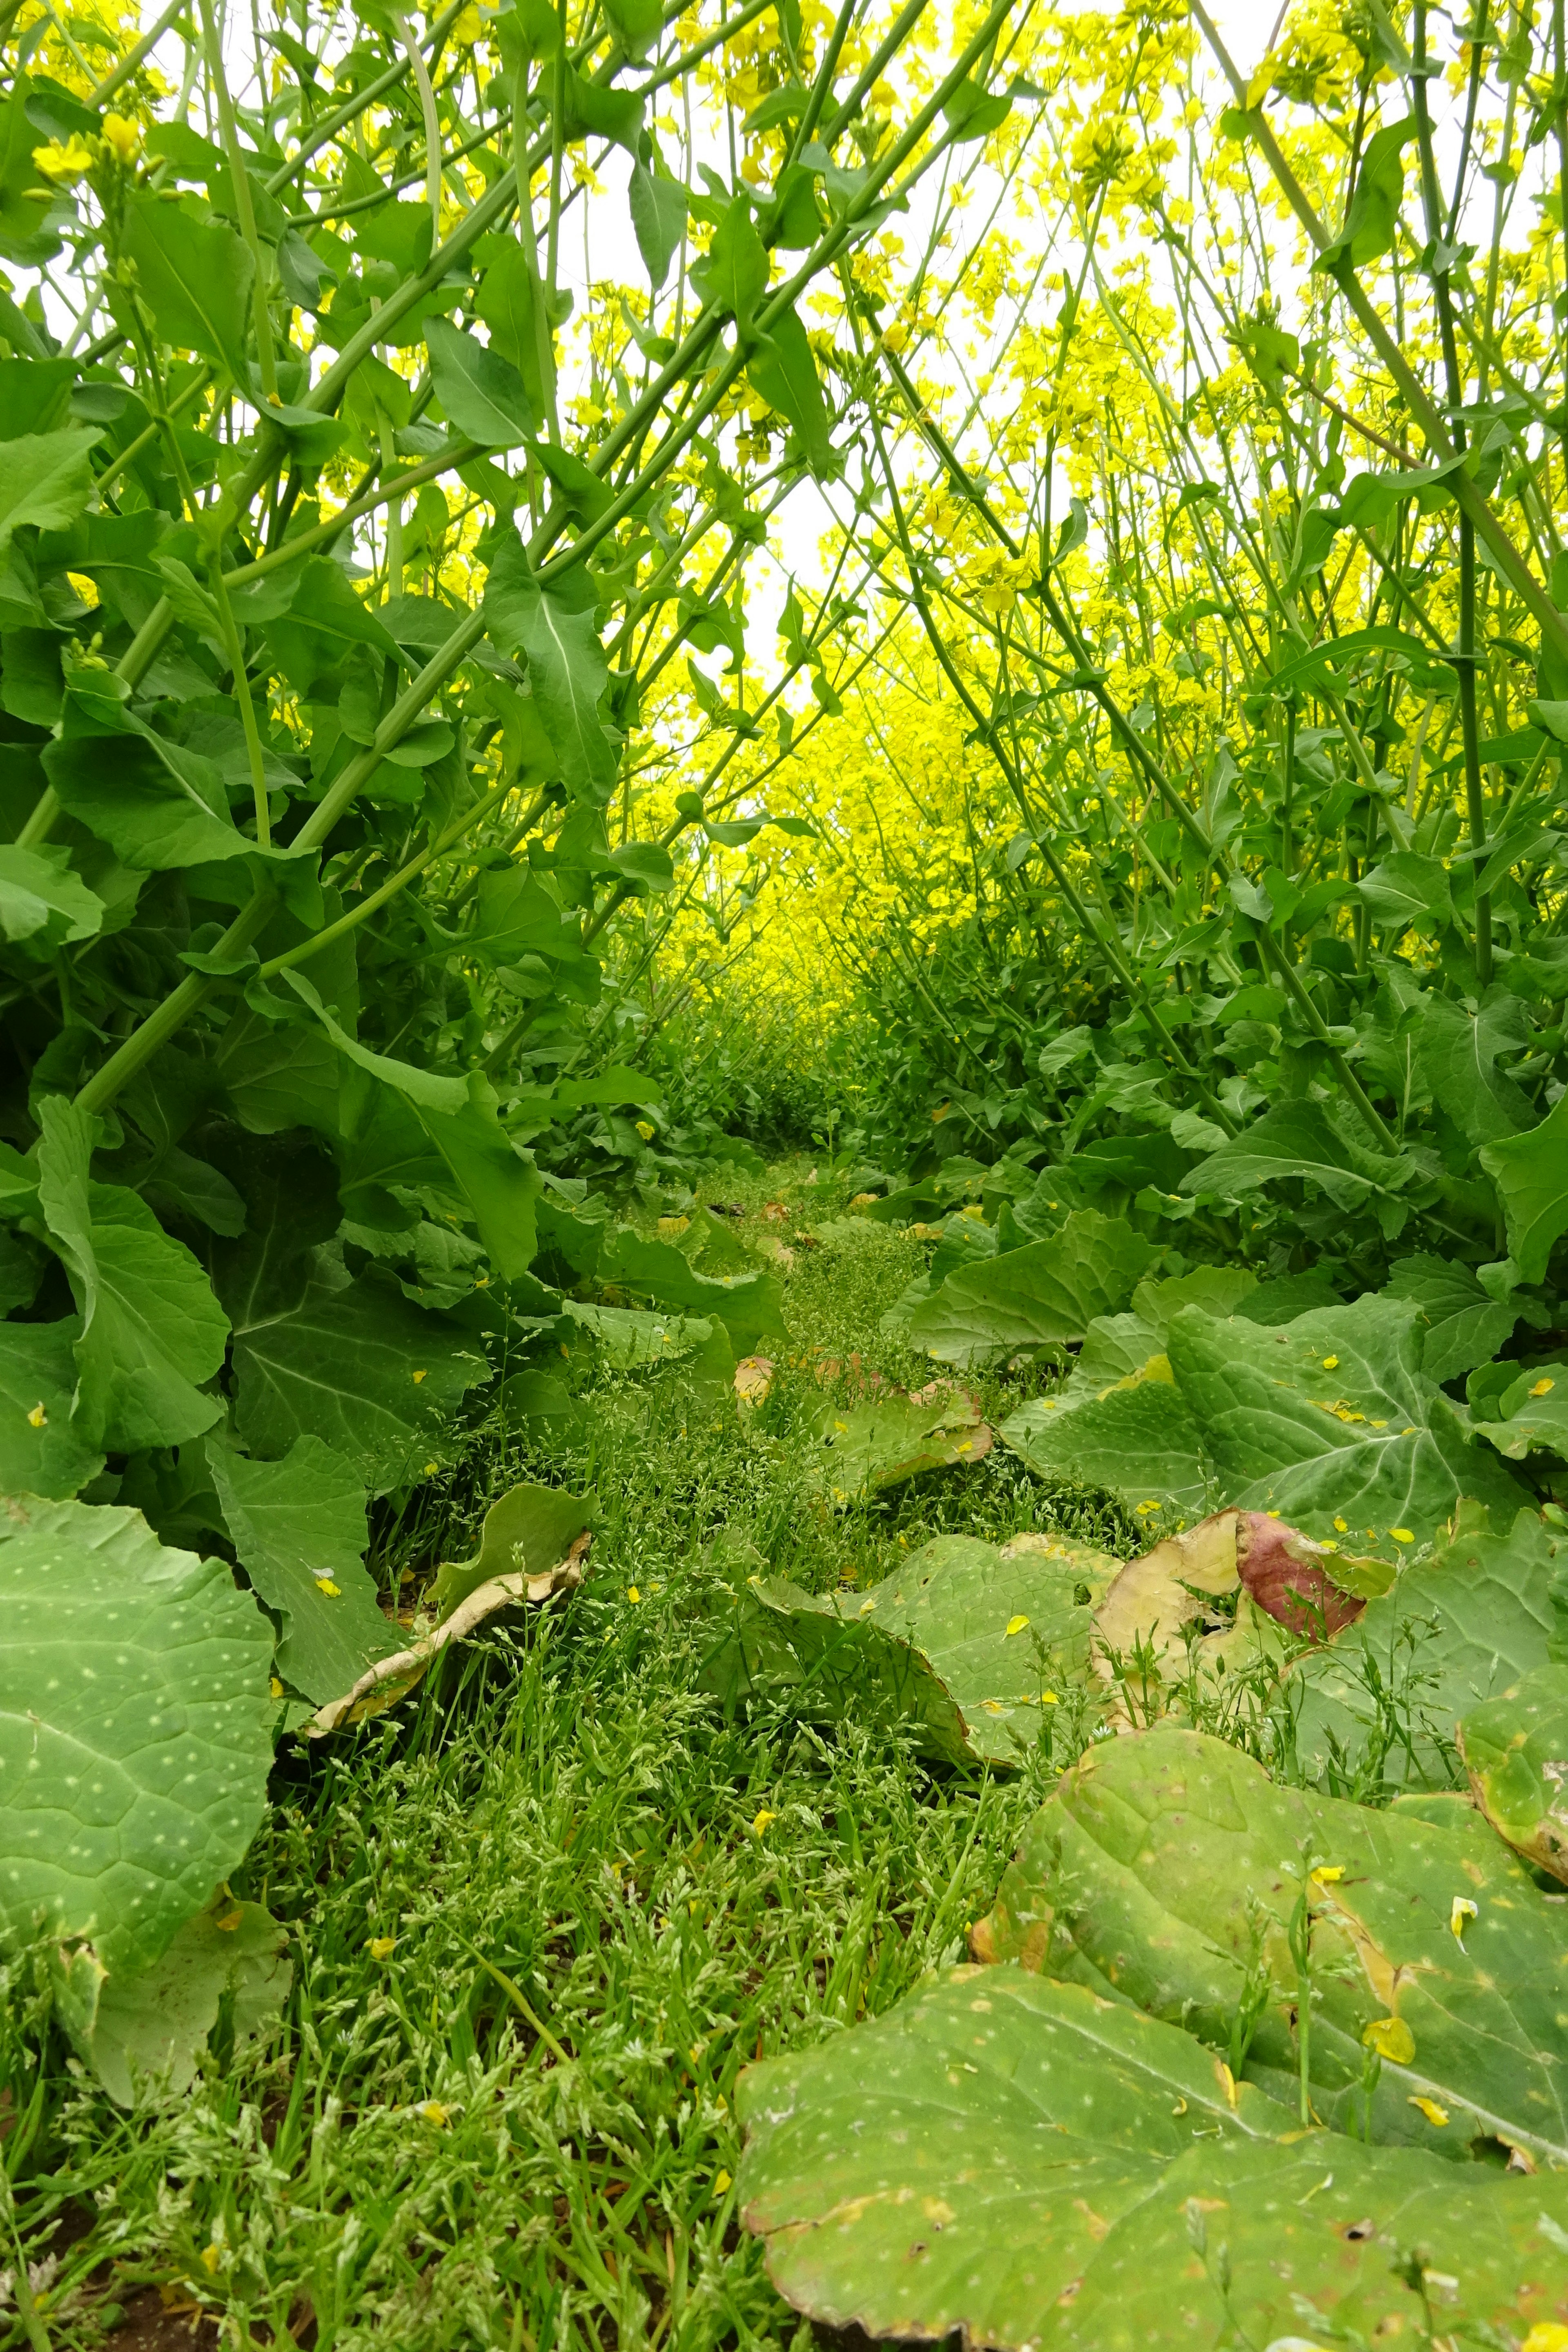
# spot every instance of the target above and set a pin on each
(1168, 1861)
(298, 1530)
(530, 1531)
(1516, 1752)
(869, 1447)
(355, 1365)
(1464, 1325)
(194, 277)
(1138, 1439)
(1329, 1422)
(145, 2032)
(1459, 1625)
(750, 1305)
(42, 1450)
(567, 667)
(1530, 1172)
(1038, 2168)
(1297, 1138)
(47, 480)
(1456, 1053)
(631, 1336)
(482, 393)
(950, 1646)
(150, 1328)
(1045, 1292)
(134, 1726)
(42, 902)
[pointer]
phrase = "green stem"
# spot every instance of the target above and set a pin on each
(244, 209)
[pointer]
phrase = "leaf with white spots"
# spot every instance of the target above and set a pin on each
(1035, 2167)
(134, 1729)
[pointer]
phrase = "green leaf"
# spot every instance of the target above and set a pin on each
(1165, 1861)
(1532, 1413)
(1045, 1292)
(567, 667)
(151, 1327)
(1408, 888)
(783, 371)
(156, 803)
(929, 1649)
(1021, 2163)
(629, 1337)
(733, 275)
(324, 623)
(299, 1528)
(1329, 1422)
(25, 203)
(1464, 1325)
(1516, 1752)
(1296, 1139)
(357, 1365)
(133, 1729)
(1372, 218)
(43, 903)
(458, 1117)
(42, 1450)
(868, 1448)
(659, 210)
(594, 110)
(511, 304)
(194, 277)
(144, 2035)
(483, 393)
(750, 1305)
(1473, 1616)
(46, 480)
(1530, 1172)
(1137, 1440)
(530, 1531)
(1456, 1053)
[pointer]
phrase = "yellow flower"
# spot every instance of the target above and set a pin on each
(68, 161)
(1049, 1698)
(762, 1821)
(381, 1946)
(1390, 2038)
(1341, 1525)
(1543, 1388)
(121, 138)
(39, 1418)
(1016, 1624)
(720, 2182)
(646, 1128)
(1431, 2110)
(274, 1687)
(1329, 1362)
(434, 2113)
(1328, 1873)
(633, 1593)
(418, 1376)
(1546, 2336)
(211, 2257)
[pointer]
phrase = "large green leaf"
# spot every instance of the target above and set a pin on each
(1457, 1053)
(42, 1450)
(1137, 1439)
(750, 1305)
(1296, 1139)
(530, 1531)
(1516, 1752)
(1045, 1293)
(629, 1337)
(1329, 1420)
(144, 2035)
(150, 1328)
(355, 1364)
(43, 903)
(1531, 1416)
(483, 393)
(1464, 1324)
(299, 1528)
(869, 1447)
(46, 481)
(1460, 1624)
(566, 665)
(324, 623)
(1168, 1865)
(1025, 2166)
(956, 1646)
(194, 277)
(154, 803)
(1530, 1172)
(133, 1729)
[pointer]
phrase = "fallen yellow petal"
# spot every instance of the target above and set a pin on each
(1016, 1624)
(1392, 2039)
(1328, 1873)
(1431, 2110)
(1402, 1535)
(324, 1584)
(1330, 1363)
(1461, 1909)
(762, 1821)
(380, 1948)
(1543, 1388)
(37, 1418)
(720, 2183)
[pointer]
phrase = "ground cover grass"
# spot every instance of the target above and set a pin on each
(542, 1915)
